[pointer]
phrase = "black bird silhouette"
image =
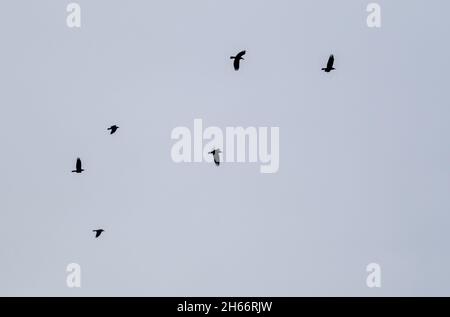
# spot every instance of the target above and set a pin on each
(237, 59)
(98, 232)
(330, 63)
(113, 129)
(215, 154)
(78, 168)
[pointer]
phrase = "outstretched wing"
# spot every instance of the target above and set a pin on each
(78, 164)
(216, 158)
(236, 64)
(240, 54)
(330, 62)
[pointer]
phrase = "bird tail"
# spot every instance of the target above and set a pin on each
(323, 68)
(74, 171)
(232, 57)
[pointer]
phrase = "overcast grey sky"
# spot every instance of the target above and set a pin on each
(364, 153)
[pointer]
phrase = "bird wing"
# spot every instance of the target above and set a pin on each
(236, 63)
(78, 163)
(240, 54)
(216, 158)
(330, 62)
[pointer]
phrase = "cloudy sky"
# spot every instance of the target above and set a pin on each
(364, 154)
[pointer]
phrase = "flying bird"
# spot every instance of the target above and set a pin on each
(215, 154)
(237, 59)
(98, 232)
(330, 63)
(113, 129)
(78, 168)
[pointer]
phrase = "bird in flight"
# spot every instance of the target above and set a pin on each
(237, 59)
(78, 168)
(330, 63)
(98, 232)
(215, 154)
(113, 129)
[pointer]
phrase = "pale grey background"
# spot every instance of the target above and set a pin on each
(364, 162)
